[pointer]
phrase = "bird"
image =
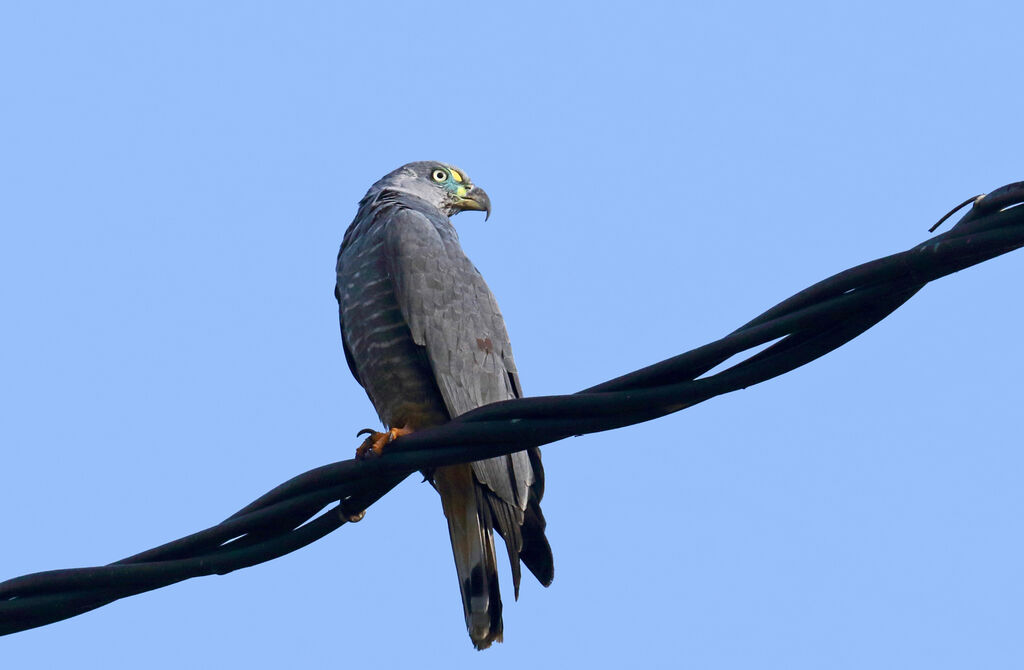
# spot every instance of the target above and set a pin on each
(423, 335)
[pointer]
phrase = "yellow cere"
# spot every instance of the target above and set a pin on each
(456, 176)
(460, 191)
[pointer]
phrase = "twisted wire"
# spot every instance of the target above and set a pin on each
(802, 328)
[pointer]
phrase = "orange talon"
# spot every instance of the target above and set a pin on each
(373, 445)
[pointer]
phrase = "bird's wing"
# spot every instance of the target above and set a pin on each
(449, 310)
(453, 314)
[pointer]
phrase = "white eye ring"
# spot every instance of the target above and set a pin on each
(439, 175)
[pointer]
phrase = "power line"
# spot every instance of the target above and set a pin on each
(804, 327)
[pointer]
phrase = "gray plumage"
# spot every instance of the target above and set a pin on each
(424, 336)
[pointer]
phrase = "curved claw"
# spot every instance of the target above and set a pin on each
(374, 444)
(368, 448)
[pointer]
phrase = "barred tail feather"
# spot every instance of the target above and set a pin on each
(473, 548)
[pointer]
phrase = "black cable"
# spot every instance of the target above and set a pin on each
(802, 328)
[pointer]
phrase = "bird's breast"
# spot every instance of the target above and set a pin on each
(393, 369)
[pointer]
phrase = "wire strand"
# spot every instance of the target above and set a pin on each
(803, 328)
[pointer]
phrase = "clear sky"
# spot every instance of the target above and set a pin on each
(175, 180)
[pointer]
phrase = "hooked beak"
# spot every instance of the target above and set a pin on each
(476, 200)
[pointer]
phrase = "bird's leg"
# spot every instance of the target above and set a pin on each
(375, 443)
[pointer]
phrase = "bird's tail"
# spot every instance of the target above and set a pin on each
(473, 546)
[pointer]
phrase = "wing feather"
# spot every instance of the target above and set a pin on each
(452, 313)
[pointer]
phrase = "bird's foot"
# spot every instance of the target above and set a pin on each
(373, 445)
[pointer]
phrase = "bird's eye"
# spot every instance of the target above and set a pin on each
(440, 175)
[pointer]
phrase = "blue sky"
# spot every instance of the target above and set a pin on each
(175, 179)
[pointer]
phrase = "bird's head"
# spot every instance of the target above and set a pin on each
(444, 186)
